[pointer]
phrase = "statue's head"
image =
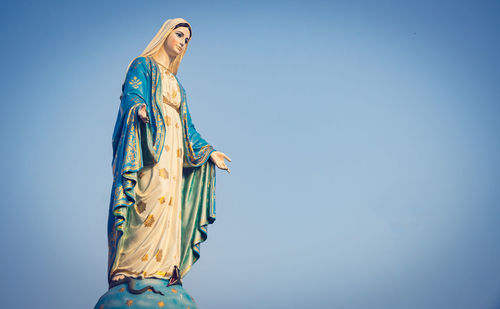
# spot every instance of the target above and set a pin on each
(177, 41)
(173, 37)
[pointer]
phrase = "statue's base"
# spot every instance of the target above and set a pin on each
(120, 297)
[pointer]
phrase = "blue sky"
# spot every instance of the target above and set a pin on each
(364, 138)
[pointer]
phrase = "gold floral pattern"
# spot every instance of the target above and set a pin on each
(145, 257)
(162, 200)
(129, 302)
(135, 82)
(170, 92)
(161, 304)
(149, 221)
(164, 173)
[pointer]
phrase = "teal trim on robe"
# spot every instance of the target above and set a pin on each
(136, 144)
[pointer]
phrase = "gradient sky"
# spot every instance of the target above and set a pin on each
(364, 136)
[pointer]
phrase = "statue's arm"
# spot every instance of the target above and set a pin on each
(135, 93)
(202, 148)
(197, 141)
(194, 136)
(198, 149)
(136, 89)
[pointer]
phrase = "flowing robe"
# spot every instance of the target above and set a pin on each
(136, 144)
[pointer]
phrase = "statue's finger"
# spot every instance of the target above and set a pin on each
(227, 157)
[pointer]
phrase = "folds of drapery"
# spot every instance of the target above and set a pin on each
(136, 144)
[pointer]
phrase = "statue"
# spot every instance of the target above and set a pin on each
(163, 195)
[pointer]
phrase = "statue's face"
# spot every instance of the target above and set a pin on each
(177, 41)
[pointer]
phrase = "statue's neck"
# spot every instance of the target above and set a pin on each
(163, 58)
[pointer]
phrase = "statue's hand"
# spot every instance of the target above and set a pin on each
(218, 158)
(143, 114)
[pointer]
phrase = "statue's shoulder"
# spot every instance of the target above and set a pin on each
(141, 62)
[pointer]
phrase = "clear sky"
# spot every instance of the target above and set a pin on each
(365, 140)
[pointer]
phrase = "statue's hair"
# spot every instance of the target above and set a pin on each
(185, 25)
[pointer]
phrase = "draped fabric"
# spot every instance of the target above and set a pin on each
(136, 145)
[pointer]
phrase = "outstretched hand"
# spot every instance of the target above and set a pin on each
(218, 158)
(143, 114)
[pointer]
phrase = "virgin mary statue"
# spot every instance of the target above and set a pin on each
(163, 195)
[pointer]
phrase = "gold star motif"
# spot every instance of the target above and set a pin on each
(159, 255)
(170, 201)
(122, 289)
(141, 206)
(174, 290)
(145, 257)
(129, 302)
(164, 173)
(168, 121)
(162, 200)
(149, 221)
(161, 304)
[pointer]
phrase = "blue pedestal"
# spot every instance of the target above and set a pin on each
(173, 296)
